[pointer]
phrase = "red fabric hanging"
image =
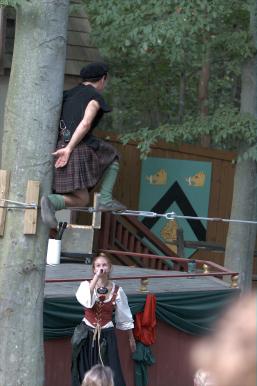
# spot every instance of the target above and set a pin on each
(145, 322)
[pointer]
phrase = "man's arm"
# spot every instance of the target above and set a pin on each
(82, 129)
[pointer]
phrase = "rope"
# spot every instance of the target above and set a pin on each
(137, 213)
(18, 207)
(167, 216)
(17, 204)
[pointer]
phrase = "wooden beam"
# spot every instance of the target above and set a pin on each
(2, 39)
(30, 215)
(4, 191)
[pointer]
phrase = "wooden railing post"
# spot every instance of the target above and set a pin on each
(180, 241)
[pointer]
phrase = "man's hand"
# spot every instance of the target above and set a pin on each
(62, 157)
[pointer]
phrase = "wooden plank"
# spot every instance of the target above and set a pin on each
(125, 237)
(30, 215)
(82, 54)
(104, 236)
(10, 29)
(4, 191)
(79, 39)
(2, 39)
(96, 216)
(73, 67)
(118, 233)
(180, 238)
(79, 24)
(9, 43)
(7, 61)
(113, 230)
(77, 11)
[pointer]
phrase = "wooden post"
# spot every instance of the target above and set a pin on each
(180, 244)
(234, 281)
(4, 191)
(96, 218)
(2, 39)
(144, 284)
(30, 216)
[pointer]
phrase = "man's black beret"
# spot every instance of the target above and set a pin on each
(94, 71)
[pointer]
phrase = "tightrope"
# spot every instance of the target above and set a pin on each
(10, 204)
(167, 216)
(136, 213)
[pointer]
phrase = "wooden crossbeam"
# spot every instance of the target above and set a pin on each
(30, 215)
(4, 191)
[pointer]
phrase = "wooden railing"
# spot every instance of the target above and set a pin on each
(127, 234)
(203, 268)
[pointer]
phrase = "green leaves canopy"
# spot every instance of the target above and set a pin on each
(153, 45)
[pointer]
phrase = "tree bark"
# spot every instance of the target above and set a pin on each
(30, 129)
(203, 94)
(182, 92)
(241, 237)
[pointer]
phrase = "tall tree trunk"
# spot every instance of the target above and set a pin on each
(241, 237)
(182, 92)
(203, 94)
(30, 129)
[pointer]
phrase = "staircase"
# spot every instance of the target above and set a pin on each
(127, 234)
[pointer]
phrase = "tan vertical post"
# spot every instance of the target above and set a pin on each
(30, 216)
(4, 191)
(2, 40)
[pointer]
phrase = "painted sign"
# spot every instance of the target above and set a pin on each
(180, 186)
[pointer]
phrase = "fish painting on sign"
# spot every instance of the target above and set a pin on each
(180, 186)
(197, 179)
(158, 178)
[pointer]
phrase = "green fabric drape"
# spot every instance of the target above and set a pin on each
(143, 357)
(191, 312)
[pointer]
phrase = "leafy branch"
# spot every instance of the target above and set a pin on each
(227, 127)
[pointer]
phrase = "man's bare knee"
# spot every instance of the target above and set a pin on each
(82, 197)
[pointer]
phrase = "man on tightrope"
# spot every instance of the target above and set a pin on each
(81, 159)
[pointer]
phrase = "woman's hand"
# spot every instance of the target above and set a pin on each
(132, 343)
(100, 272)
(62, 156)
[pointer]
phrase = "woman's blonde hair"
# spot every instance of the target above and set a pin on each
(98, 375)
(102, 254)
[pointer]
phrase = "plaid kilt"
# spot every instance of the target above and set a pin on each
(85, 167)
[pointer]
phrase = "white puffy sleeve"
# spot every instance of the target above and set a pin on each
(123, 316)
(83, 295)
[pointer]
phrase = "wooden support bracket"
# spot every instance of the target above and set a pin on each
(96, 218)
(30, 216)
(4, 191)
(144, 284)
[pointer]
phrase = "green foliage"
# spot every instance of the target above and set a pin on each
(158, 47)
(10, 3)
(227, 127)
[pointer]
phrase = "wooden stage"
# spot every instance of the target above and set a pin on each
(130, 286)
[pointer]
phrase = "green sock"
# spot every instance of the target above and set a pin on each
(108, 181)
(57, 200)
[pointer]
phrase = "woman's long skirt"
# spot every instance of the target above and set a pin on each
(89, 354)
